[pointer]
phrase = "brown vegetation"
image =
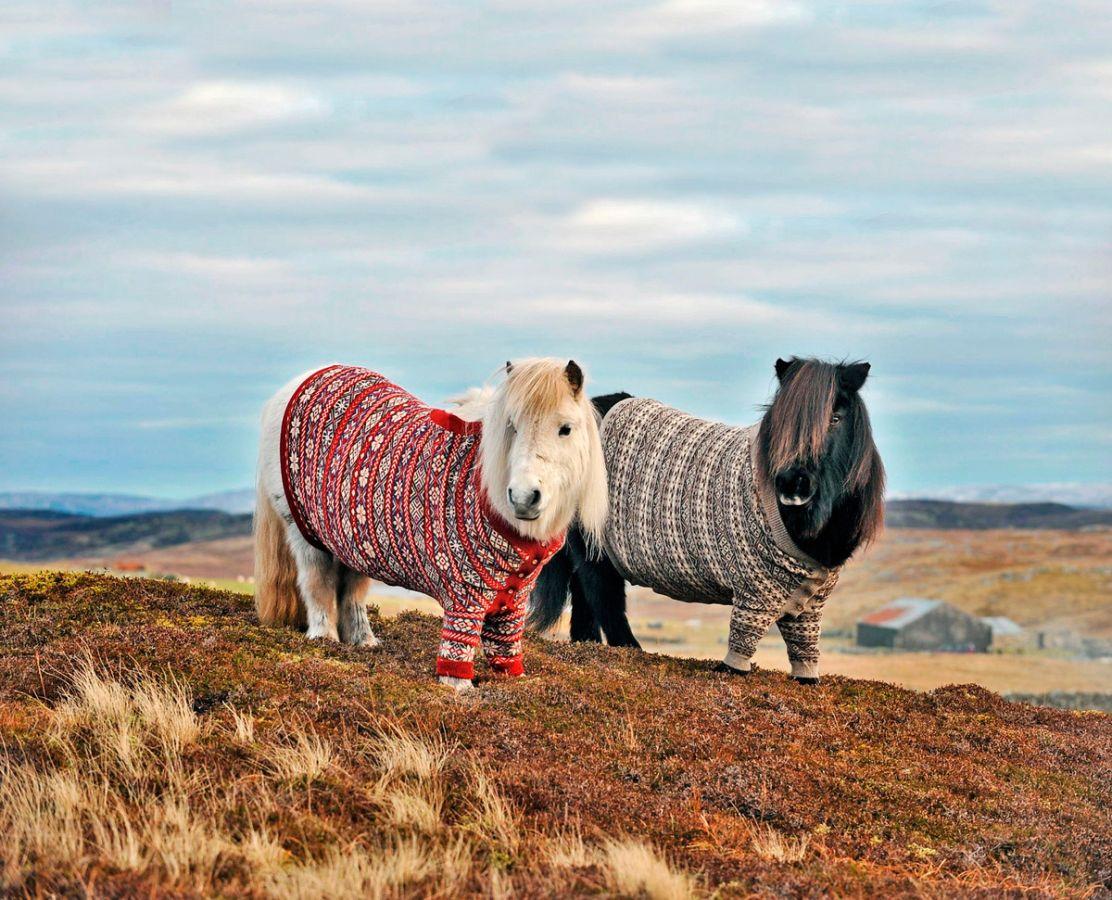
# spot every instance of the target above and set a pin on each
(156, 740)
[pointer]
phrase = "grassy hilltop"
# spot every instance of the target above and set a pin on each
(155, 740)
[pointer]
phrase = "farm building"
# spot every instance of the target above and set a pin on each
(1002, 626)
(912, 623)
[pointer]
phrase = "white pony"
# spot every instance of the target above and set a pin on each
(358, 479)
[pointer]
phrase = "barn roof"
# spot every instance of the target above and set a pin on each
(900, 612)
(1002, 625)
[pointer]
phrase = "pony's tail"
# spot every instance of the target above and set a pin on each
(276, 599)
(550, 595)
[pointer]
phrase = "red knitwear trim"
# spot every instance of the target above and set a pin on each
(510, 666)
(284, 455)
(455, 668)
(454, 423)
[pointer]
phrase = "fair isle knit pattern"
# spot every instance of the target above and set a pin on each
(391, 488)
(689, 518)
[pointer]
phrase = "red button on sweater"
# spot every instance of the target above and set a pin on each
(391, 488)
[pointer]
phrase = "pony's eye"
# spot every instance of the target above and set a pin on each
(565, 430)
(834, 420)
(510, 426)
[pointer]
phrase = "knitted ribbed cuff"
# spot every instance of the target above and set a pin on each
(736, 661)
(455, 668)
(801, 669)
(511, 666)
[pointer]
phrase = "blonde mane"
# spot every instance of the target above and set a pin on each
(536, 389)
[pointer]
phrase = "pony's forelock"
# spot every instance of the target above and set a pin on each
(535, 387)
(798, 418)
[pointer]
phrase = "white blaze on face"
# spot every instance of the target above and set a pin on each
(526, 478)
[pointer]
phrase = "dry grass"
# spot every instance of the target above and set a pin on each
(775, 846)
(244, 724)
(303, 756)
(118, 791)
(126, 789)
(635, 869)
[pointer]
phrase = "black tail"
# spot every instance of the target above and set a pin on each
(550, 594)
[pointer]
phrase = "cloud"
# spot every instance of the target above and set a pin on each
(224, 269)
(684, 16)
(220, 107)
(621, 225)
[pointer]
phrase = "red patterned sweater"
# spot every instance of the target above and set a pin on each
(391, 488)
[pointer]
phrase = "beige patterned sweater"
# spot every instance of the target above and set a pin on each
(689, 518)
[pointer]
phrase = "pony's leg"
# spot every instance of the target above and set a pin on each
(584, 625)
(355, 627)
(501, 637)
(317, 582)
(459, 636)
(603, 590)
(584, 621)
(748, 624)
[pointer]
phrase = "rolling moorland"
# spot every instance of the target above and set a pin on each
(1055, 581)
(155, 740)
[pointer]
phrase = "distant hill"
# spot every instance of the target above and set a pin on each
(32, 535)
(106, 505)
(949, 514)
(1077, 496)
(43, 533)
(1085, 496)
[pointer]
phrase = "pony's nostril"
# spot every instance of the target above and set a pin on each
(524, 500)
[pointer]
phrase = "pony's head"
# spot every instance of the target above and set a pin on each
(542, 462)
(817, 446)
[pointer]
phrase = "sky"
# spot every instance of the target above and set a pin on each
(199, 201)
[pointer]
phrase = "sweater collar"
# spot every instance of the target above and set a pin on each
(766, 492)
(527, 548)
(454, 423)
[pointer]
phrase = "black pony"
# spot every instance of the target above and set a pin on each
(814, 444)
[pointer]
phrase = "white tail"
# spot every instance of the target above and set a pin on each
(276, 597)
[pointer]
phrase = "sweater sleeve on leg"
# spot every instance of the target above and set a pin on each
(801, 634)
(459, 637)
(502, 639)
(748, 624)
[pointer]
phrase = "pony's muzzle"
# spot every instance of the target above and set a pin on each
(526, 503)
(795, 487)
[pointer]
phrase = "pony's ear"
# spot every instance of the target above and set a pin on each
(575, 377)
(782, 366)
(509, 367)
(851, 377)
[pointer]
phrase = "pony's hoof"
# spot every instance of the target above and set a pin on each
(730, 670)
(803, 680)
(459, 685)
(370, 642)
